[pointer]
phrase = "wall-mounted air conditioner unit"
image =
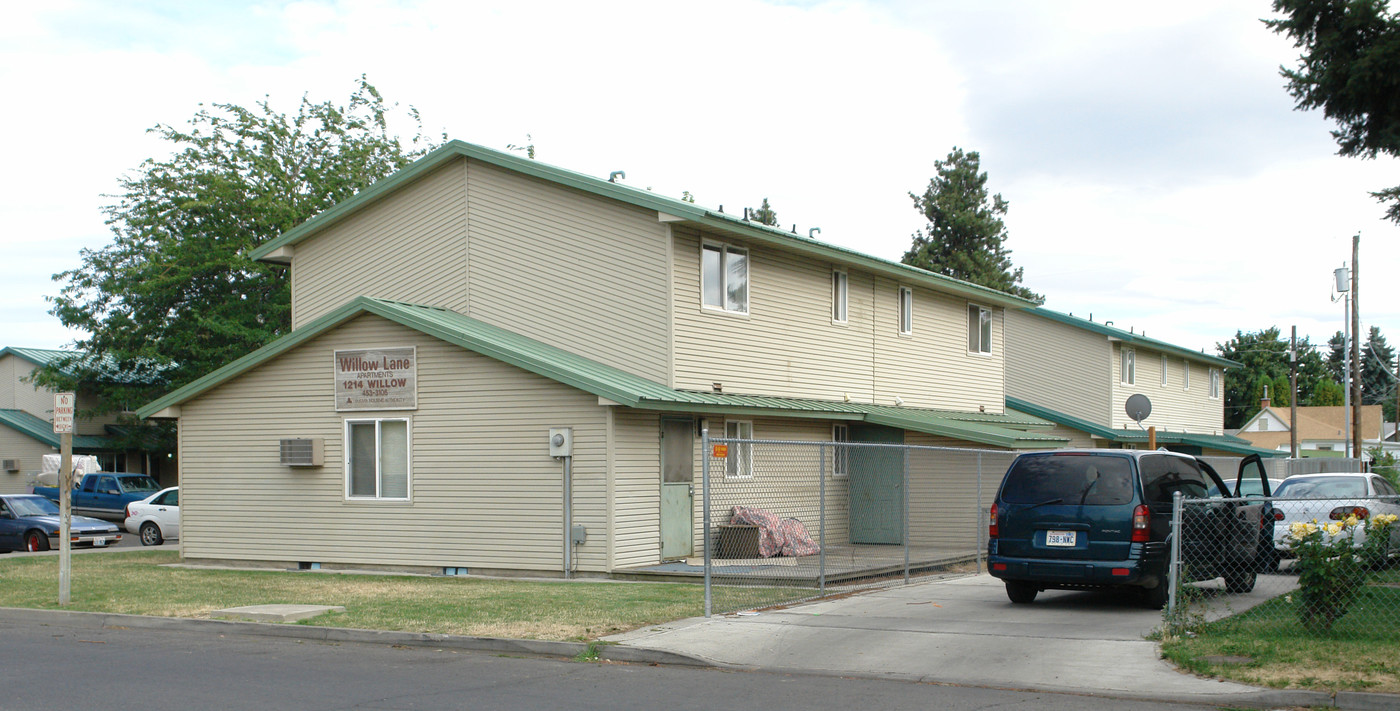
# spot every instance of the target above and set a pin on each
(305, 452)
(9, 465)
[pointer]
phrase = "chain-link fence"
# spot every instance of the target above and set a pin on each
(785, 521)
(1321, 557)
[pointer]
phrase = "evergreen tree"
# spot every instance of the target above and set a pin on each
(763, 214)
(1263, 359)
(1377, 373)
(965, 237)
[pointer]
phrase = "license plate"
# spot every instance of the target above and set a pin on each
(99, 541)
(1059, 538)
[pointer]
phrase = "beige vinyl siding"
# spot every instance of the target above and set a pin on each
(785, 480)
(1059, 366)
(485, 493)
(637, 488)
(410, 246)
(787, 344)
(29, 452)
(1078, 439)
(945, 511)
(20, 395)
(1173, 408)
(573, 270)
(931, 367)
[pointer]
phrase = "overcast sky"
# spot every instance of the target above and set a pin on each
(1156, 171)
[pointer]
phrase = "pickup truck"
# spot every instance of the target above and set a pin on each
(105, 494)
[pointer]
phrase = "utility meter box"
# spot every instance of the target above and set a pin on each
(561, 442)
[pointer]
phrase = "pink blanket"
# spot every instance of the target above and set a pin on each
(775, 537)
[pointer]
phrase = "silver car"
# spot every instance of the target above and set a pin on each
(1328, 498)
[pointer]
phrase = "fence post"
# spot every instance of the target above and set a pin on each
(1173, 568)
(705, 507)
(978, 518)
(906, 515)
(821, 523)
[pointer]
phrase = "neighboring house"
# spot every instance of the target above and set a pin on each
(1322, 431)
(502, 298)
(26, 425)
(1079, 373)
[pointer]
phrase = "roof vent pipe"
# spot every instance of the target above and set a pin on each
(1106, 323)
(794, 228)
(811, 234)
(613, 176)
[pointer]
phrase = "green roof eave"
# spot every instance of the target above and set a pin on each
(1067, 420)
(642, 198)
(980, 432)
(41, 430)
(1129, 337)
(1225, 443)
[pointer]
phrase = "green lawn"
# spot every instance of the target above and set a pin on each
(1362, 652)
(136, 583)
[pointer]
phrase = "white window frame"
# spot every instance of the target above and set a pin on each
(1164, 370)
(1186, 375)
(724, 251)
(739, 463)
(975, 329)
(840, 296)
(1127, 366)
(378, 469)
(841, 459)
(1214, 384)
(906, 311)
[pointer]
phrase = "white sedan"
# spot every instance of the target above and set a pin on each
(156, 517)
(1328, 498)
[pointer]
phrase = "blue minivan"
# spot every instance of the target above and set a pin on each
(1098, 518)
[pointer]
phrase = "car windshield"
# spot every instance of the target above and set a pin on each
(133, 484)
(1332, 487)
(32, 506)
(1083, 479)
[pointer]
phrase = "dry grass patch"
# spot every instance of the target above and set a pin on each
(136, 583)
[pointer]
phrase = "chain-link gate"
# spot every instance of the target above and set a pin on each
(785, 521)
(1323, 557)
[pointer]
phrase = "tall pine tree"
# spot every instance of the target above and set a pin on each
(965, 237)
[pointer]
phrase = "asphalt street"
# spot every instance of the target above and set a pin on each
(156, 670)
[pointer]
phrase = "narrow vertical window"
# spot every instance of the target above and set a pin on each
(724, 277)
(839, 289)
(1214, 383)
(1128, 371)
(1164, 371)
(1185, 375)
(841, 435)
(979, 329)
(906, 310)
(739, 463)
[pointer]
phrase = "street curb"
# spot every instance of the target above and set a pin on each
(544, 648)
(1264, 698)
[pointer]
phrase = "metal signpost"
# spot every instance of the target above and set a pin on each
(64, 406)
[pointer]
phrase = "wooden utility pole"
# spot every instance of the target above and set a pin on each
(1293, 399)
(65, 407)
(1356, 345)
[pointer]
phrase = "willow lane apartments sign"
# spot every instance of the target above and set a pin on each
(376, 379)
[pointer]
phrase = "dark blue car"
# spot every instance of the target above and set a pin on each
(30, 523)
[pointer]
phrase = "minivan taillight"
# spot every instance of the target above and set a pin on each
(992, 523)
(1142, 521)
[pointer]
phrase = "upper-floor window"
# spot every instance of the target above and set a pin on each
(906, 310)
(1185, 375)
(1214, 383)
(725, 277)
(841, 435)
(979, 329)
(739, 463)
(840, 287)
(1164, 371)
(1127, 373)
(376, 462)
(1263, 424)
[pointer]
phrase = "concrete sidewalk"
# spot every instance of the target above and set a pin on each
(965, 631)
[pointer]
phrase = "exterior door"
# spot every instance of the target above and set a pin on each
(877, 486)
(677, 488)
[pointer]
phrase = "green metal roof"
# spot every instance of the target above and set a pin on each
(107, 368)
(1129, 337)
(1227, 443)
(42, 430)
(642, 198)
(618, 385)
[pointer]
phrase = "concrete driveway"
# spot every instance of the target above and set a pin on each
(960, 631)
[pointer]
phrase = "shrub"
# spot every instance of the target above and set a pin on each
(1332, 567)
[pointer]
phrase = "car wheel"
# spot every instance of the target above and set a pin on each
(36, 541)
(1021, 592)
(1240, 581)
(1155, 598)
(150, 534)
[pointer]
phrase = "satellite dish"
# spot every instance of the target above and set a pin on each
(1138, 407)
